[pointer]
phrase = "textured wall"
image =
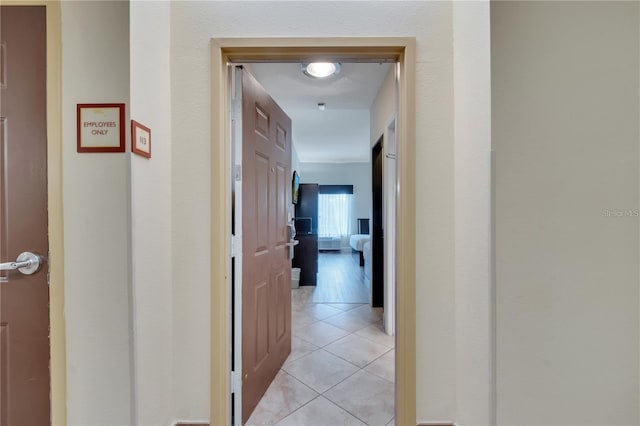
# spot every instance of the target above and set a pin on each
(95, 65)
(565, 131)
(151, 215)
(474, 334)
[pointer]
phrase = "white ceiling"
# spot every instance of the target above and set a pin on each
(340, 133)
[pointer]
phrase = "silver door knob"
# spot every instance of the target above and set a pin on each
(28, 263)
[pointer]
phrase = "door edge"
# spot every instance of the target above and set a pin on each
(56, 218)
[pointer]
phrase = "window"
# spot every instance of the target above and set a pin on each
(334, 210)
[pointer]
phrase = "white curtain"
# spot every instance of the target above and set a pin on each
(334, 215)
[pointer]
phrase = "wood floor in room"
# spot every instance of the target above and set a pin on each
(340, 280)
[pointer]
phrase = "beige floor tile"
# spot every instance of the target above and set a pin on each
(320, 412)
(366, 396)
(302, 295)
(348, 321)
(320, 333)
(384, 366)
(325, 357)
(357, 350)
(300, 348)
(375, 332)
(367, 313)
(300, 319)
(285, 395)
(321, 311)
(345, 306)
(298, 307)
(320, 370)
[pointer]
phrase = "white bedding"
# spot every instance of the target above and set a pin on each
(366, 253)
(357, 241)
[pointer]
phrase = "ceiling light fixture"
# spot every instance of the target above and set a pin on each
(321, 69)
(321, 106)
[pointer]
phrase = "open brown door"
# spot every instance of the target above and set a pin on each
(24, 298)
(266, 267)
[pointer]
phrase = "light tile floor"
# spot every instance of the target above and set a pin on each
(340, 371)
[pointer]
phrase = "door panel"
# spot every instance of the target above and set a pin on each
(24, 299)
(281, 308)
(266, 268)
(261, 334)
(261, 206)
(282, 186)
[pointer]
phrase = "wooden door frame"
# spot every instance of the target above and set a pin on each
(57, 339)
(225, 50)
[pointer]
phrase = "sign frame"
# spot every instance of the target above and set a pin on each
(87, 143)
(137, 146)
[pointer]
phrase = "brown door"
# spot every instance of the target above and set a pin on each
(24, 299)
(266, 268)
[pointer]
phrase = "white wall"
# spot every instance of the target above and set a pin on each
(356, 174)
(151, 214)
(190, 208)
(192, 26)
(383, 114)
(95, 65)
(295, 160)
(565, 131)
(384, 107)
(472, 92)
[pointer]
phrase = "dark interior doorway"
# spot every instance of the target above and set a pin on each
(377, 235)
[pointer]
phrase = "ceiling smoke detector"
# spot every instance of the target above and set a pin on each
(321, 69)
(321, 106)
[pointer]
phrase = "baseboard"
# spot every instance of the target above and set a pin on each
(436, 424)
(191, 424)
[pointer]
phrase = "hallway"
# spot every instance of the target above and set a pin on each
(341, 367)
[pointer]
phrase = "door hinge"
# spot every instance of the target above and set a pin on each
(237, 172)
(236, 246)
(236, 384)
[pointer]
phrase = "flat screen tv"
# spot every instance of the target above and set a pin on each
(303, 225)
(295, 187)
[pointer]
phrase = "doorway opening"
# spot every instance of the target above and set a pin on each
(301, 50)
(342, 360)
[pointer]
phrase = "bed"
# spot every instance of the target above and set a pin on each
(357, 242)
(366, 253)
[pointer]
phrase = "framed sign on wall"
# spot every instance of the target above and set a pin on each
(140, 139)
(100, 128)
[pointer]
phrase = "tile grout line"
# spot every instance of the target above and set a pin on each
(299, 408)
(359, 369)
(305, 302)
(305, 385)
